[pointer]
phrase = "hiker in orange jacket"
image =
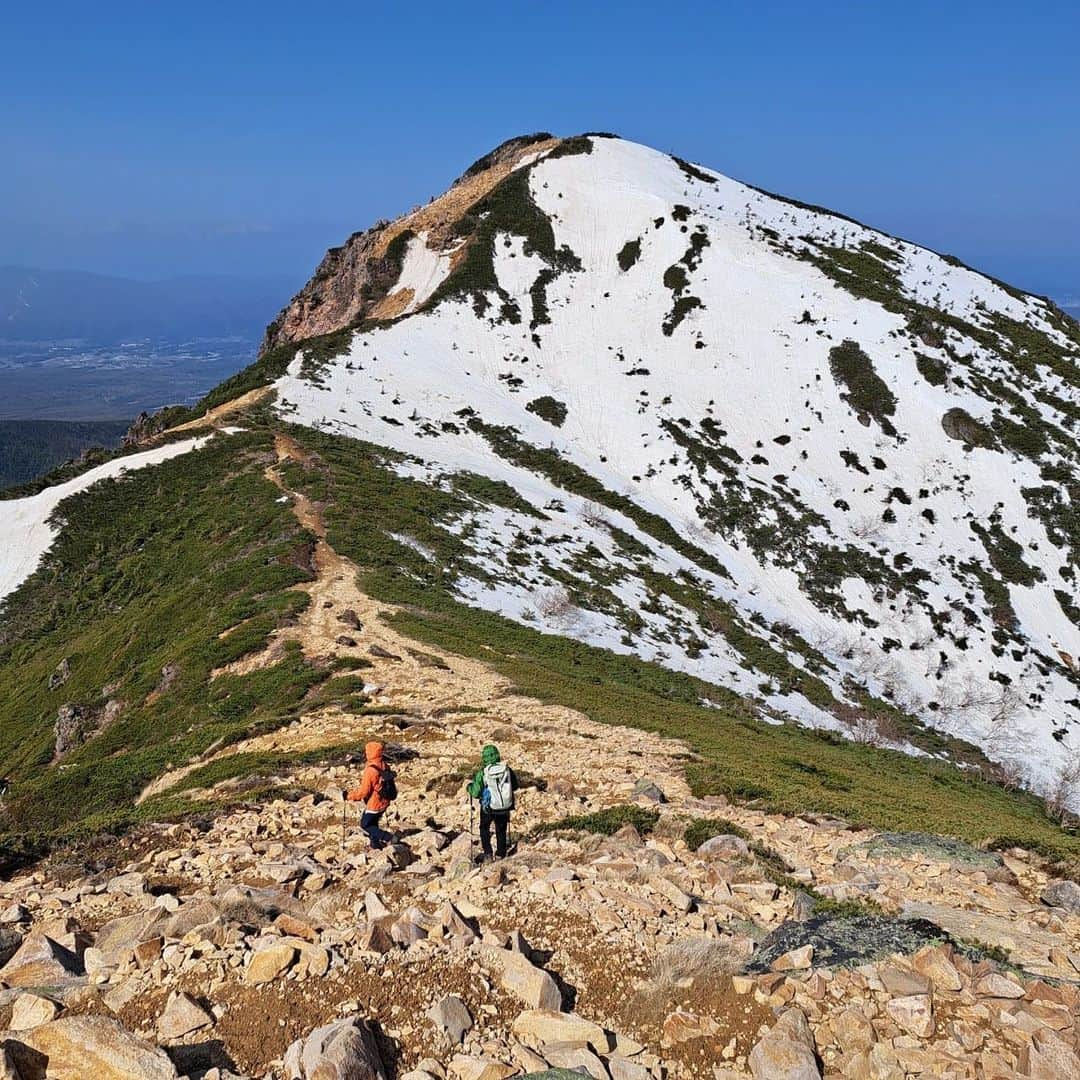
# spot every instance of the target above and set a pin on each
(376, 791)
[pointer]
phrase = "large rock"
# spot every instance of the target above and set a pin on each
(914, 1013)
(1049, 1057)
(532, 986)
(268, 963)
(120, 936)
(451, 1017)
(786, 1051)
(30, 1011)
(483, 1068)
(81, 1047)
(182, 1015)
(343, 1050)
(1063, 894)
(996, 985)
(40, 961)
(576, 1058)
(724, 846)
(535, 1027)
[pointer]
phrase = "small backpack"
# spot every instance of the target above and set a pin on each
(498, 788)
(387, 786)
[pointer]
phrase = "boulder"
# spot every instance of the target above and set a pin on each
(535, 1027)
(853, 1031)
(786, 1051)
(269, 962)
(377, 937)
(899, 981)
(79, 1047)
(30, 1011)
(996, 985)
(575, 1058)
(724, 846)
(121, 935)
(1063, 894)
(935, 962)
(40, 961)
(533, 986)
(343, 1050)
(130, 884)
(14, 913)
(1048, 1057)
(914, 1013)
(647, 791)
(451, 1017)
(794, 960)
(674, 898)
(483, 1068)
(624, 1068)
(182, 1015)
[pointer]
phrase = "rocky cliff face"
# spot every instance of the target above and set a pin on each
(351, 284)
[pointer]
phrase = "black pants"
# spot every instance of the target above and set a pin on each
(501, 820)
(370, 824)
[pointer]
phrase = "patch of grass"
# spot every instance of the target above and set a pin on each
(272, 766)
(149, 570)
(507, 209)
(605, 822)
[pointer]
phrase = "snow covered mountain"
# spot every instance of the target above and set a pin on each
(594, 398)
(749, 438)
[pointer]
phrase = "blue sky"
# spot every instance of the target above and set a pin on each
(153, 139)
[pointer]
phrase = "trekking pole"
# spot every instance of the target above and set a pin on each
(472, 849)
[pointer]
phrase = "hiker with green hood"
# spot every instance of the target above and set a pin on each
(493, 785)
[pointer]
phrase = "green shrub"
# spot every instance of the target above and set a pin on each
(549, 409)
(867, 392)
(605, 822)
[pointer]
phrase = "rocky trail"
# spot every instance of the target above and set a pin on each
(271, 942)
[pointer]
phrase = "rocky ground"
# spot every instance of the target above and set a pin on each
(271, 942)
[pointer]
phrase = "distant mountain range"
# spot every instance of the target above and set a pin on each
(54, 305)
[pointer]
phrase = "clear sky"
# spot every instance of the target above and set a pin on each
(159, 138)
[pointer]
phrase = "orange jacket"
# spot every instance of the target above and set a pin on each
(368, 791)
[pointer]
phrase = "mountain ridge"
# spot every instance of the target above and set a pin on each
(753, 585)
(867, 267)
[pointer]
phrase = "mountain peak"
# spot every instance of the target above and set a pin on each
(820, 415)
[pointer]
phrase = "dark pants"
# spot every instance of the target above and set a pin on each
(370, 824)
(501, 820)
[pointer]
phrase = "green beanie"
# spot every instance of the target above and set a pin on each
(490, 755)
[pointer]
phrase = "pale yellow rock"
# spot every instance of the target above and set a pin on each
(539, 1026)
(268, 963)
(933, 961)
(914, 1013)
(30, 1010)
(479, 1068)
(81, 1047)
(996, 985)
(785, 1051)
(795, 960)
(182, 1016)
